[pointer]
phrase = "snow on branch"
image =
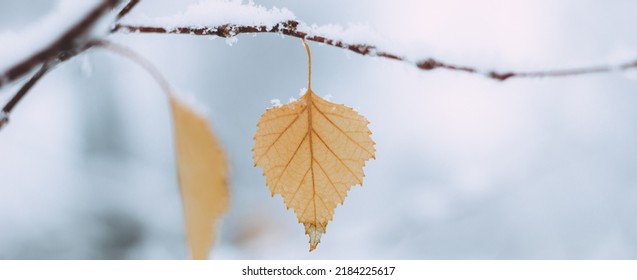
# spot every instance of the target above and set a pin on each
(230, 18)
(298, 29)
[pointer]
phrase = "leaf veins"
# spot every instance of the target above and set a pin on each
(312, 152)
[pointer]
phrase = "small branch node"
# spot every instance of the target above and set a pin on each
(4, 118)
(501, 76)
(429, 64)
(225, 31)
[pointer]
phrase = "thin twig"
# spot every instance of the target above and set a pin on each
(6, 110)
(131, 4)
(289, 28)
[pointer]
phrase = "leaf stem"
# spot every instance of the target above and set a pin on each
(139, 60)
(309, 64)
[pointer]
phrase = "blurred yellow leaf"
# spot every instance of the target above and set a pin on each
(312, 152)
(202, 171)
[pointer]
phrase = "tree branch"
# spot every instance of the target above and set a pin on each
(6, 110)
(289, 28)
(64, 47)
(71, 43)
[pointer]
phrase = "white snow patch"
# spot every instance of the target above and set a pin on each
(631, 74)
(86, 66)
(17, 45)
(620, 55)
(302, 91)
(217, 12)
(275, 102)
(353, 34)
(231, 41)
(363, 34)
(212, 13)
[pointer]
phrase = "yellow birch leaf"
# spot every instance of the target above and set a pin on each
(202, 170)
(312, 152)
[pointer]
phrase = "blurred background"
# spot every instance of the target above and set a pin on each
(466, 167)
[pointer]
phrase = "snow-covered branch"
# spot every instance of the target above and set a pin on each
(231, 18)
(298, 29)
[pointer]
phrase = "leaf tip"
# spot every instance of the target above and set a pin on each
(315, 233)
